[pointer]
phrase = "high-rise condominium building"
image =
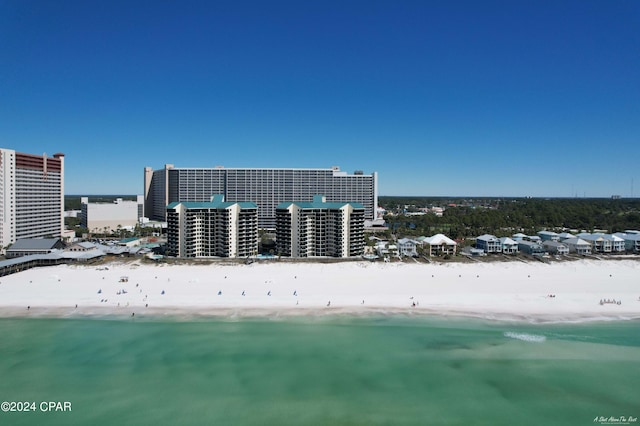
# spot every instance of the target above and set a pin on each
(265, 187)
(31, 196)
(320, 228)
(212, 229)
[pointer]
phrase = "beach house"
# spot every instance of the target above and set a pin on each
(508, 245)
(617, 243)
(599, 244)
(530, 247)
(555, 247)
(439, 244)
(407, 247)
(385, 249)
(488, 243)
(548, 236)
(577, 245)
(631, 240)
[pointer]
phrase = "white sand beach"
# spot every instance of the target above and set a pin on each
(560, 291)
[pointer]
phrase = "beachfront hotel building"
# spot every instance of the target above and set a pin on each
(31, 196)
(320, 228)
(213, 228)
(265, 187)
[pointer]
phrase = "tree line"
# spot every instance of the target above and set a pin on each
(463, 218)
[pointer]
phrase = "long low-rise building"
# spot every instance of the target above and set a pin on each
(265, 187)
(29, 246)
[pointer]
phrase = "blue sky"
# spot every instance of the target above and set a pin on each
(485, 98)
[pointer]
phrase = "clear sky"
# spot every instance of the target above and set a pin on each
(485, 98)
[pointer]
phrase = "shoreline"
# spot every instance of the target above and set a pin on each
(178, 314)
(562, 292)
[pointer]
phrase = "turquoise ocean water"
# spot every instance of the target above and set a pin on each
(319, 371)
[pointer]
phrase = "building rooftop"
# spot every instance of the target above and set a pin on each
(217, 202)
(553, 244)
(529, 243)
(487, 237)
(35, 244)
(576, 240)
(129, 240)
(439, 239)
(319, 202)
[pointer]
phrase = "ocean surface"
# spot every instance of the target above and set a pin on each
(317, 371)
